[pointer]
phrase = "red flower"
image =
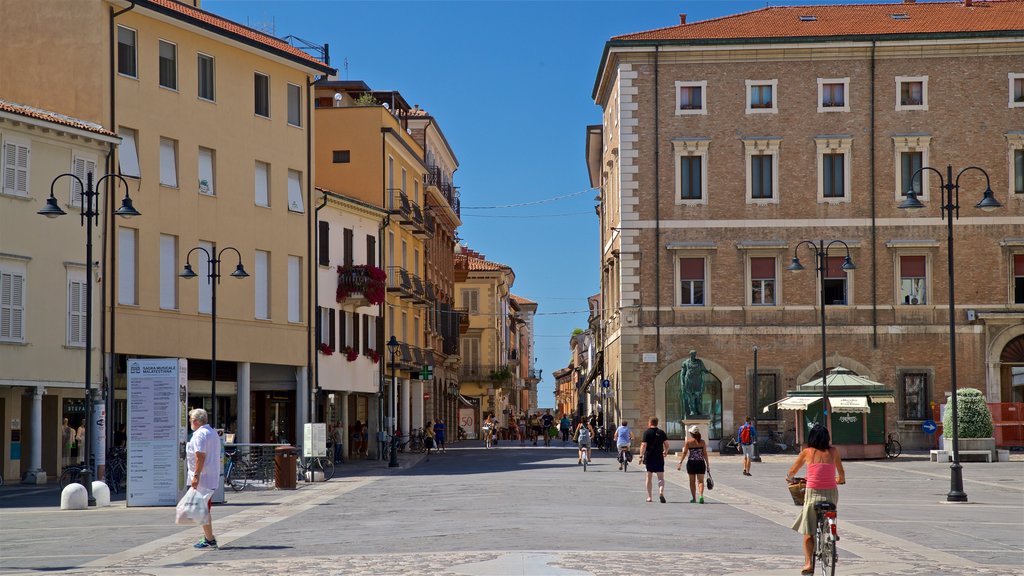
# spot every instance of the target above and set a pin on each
(351, 354)
(326, 349)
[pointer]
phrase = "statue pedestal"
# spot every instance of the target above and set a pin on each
(702, 422)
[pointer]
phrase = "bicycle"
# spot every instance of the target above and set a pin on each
(308, 467)
(893, 448)
(416, 443)
(116, 470)
(393, 443)
(826, 535)
(726, 447)
(71, 474)
(625, 457)
(236, 473)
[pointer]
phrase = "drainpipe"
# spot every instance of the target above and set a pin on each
(109, 364)
(310, 249)
(314, 317)
(657, 214)
(874, 215)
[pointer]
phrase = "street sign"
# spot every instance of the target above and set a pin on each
(606, 383)
(426, 395)
(929, 427)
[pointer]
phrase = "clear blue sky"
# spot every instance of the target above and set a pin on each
(510, 84)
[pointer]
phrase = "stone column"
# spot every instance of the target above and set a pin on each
(417, 404)
(346, 444)
(301, 403)
(243, 426)
(36, 474)
(405, 406)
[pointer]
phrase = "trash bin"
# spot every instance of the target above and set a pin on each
(285, 472)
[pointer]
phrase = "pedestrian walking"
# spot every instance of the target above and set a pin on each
(546, 422)
(565, 426)
(355, 434)
(824, 474)
(653, 451)
(695, 451)
(202, 456)
(521, 424)
(534, 428)
(439, 430)
(338, 437)
(745, 437)
(488, 430)
(428, 437)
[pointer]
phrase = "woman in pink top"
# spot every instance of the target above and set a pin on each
(824, 474)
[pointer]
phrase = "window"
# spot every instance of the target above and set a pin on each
(833, 94)
(913, 280)
(416, 331)
(371, 250)
(262, 180)
(761, 97)
(405, 175)
(325, 325)
(836, 282)
(12, 303)
(16, 167)
(1018, 171)
(205, 284)
(127, 154)
(324, 243)
(911, 155)
(1015, 159)
(762, 157)
(691, 170)
(471, 356)
(766, 391)
(127, 63)
(911, 93)
(914, 389)
(207, 159)
(762, 277)
(690, 97)
(294, 289)
(168, 163)
(168, 272)
(295, 191)
(127, 265)
(391, 183)
(81, 166)
(168, 65)
(1018, 278)
(262, 282)
(471, 301)
(691, 282)
(342, 156)
(207, 78)
(77, 298)
(261, 87)
(1016, 90)
(294, 105)
(348, 249)
(833, 168)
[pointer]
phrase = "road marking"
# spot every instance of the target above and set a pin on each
(1012, 486)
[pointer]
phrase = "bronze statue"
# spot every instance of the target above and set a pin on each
(691, 384)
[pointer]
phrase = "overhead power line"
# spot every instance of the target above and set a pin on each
(532, 203)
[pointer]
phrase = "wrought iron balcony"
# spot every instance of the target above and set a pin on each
(434, 178)
(361, 285)
(409, 214)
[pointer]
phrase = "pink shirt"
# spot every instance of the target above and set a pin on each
(821, 475)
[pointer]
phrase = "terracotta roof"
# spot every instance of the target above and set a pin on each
(243, 33)
(472, 263)
(54, 117)
(849, 20)
(520, 300)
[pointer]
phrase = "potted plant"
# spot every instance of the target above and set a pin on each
(372, 355)
(975, 430)
(326, 349)
(351, 354)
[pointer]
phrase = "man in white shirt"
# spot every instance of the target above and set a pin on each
(203, 457)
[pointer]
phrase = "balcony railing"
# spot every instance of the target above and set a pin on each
(409, 286)
(434, 178)
(361, 284)
(409, 214)
(494, 374)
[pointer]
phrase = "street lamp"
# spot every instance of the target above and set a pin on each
(90, 214)
(213, 274)
(393, 349)
(950, 209)
(821, 263)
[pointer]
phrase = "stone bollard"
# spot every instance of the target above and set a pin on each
(101, 492)
(74, 496)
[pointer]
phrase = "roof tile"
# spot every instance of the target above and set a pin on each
(55, 117)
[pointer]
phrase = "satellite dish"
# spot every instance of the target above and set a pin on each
(408, 131)
(386, 107)
(337, 99)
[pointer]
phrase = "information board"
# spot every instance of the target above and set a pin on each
(314, 440)
(157, 430)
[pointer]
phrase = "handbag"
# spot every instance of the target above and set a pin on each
(193, 508)
(709, 482)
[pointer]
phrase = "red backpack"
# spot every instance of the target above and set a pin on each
(745, 434)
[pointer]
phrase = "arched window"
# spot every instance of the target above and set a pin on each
(711, 405)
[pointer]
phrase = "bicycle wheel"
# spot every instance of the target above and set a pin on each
(68, 476)
(893, 449)
(827, 556)
(585, 459)
(238, 477)
(326, 467)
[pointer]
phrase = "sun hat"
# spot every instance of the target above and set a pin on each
(693, 429)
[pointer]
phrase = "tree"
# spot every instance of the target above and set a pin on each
(972, 414)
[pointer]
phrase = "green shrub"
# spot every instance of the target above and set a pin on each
(972, 412)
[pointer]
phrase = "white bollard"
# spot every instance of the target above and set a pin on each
(74, 497)
(101, 492)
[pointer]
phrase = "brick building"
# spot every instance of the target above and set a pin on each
(727, 142)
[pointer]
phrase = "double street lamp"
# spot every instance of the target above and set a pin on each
(213, 275)
(89, 196)
(821, 249)
(393, 346)
(950, 209)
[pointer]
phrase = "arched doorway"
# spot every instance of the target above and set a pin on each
(1011, 361)
(711, 404)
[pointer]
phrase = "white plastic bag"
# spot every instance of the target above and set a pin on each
(193, 508)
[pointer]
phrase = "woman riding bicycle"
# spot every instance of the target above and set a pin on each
(623, 439)
(584, 434)
(824, 474)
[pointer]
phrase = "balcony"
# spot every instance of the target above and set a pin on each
(361, 285)
(409, 214)
(496, 375)
(434, 178)
(409, 286)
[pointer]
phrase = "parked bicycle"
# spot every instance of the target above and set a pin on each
(309, 467)
(416, 443)
(728, 446)
(116, 472)
(71, 474)
(236, 471)
(893, 448)
(396, 443)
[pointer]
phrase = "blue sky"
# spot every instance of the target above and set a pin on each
(510, 84)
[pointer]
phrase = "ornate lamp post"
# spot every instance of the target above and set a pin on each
(90, 214)
(393, 349)
(950, 209)
(821, 263)
(213, 274)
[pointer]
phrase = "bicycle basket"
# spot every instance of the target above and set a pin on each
(797, 490)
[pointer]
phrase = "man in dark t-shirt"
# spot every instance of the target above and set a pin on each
(653, 450)
(547, 420)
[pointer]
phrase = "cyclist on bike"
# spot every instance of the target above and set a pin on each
(824, 474)
(623, 439)
(584, 434)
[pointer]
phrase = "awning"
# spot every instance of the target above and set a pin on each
(798, 402)
(465, 401)
(883, 399)
(849, 404)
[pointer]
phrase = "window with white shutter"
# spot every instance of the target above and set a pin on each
(168, 272)
(168, 162)
(262, 189)
(80, 167)
(206, 171)
(12, 306)
(295, 191)
(127, 281)
(127, 153)
(262, 282)
(15, 174)
(205, 282)
(294, 289)
(77, 299)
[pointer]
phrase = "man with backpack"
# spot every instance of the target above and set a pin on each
(745, 437)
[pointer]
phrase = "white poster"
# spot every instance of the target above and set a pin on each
(157, 430)
(314, 440)
(467, 420)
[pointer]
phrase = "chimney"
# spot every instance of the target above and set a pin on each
(909, 1)
(968, 3)
(682, 19)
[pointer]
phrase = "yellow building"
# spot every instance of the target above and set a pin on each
(213, 118)
(364, 150)
(43, 288)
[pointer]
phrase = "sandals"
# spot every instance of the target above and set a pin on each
(649, 500)
(807, 571)
(662, 498)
